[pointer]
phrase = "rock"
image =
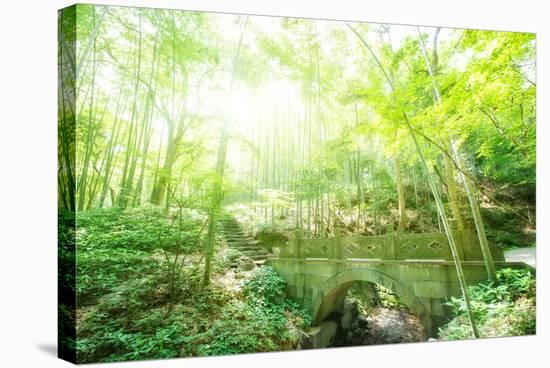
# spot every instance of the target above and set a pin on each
(431, 339)
(326, 334)
(320, 336)
(306, 340)
(231, 255)
(349, 315)
(362, 321)
(246, 264)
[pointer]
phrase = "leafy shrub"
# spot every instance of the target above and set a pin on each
(520, 282)
(135, 228)
(131, 308)
(265, 321)
(505, 307)
(66, 253)
(266, 286)
(129, 323)
(504, 230)
(116, 245)
(230, 256)
(270, 234)
(101, 271)
(516, 319)
(66, 282)
(155, 335)
(238, 330)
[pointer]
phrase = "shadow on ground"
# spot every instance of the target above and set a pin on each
(50, 349)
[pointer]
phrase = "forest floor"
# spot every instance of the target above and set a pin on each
(527, 255)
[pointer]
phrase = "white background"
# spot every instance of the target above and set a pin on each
(28, 266)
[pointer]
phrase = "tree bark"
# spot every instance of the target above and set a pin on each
(439, 203)
(454, 198)
(472, 199)
(403, 221)
(217, 190)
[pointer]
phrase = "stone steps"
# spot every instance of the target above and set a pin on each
(245, 244)
(240, 238)
(259, 257)
(257, 262)
(233, 231)
(231, 226)
(245, 248)
(252, 252)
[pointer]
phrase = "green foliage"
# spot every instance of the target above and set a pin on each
(505, 307)
(504, 230)
(239, 330)
(319, 128)
(369, 296)
(266, 287)
(131, 308)
(66, 283)
(117, 228)
(232, 255)
(66, 252)
(277, 198)
(266, 320)
(116, 245)
(269, 233)
(100, 271)
(127, 325)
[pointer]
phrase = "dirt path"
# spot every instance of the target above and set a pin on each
(527, 255)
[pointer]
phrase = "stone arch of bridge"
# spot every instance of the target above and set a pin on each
(330, 297)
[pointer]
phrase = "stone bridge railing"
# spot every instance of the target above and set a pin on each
(391, 246)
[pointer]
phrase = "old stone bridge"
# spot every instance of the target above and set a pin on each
(418, 268)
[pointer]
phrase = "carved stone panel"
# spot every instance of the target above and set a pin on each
(316, 248)
(423, 246)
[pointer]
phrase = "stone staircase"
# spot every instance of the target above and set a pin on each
(243, 242)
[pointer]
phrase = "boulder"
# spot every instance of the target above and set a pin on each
(349, 315)
(246, 263)
(326, 334)
(362, 321)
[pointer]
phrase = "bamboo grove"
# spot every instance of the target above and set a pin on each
(330, 126)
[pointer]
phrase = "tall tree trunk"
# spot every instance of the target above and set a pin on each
(454, 198)
(439, 203)
(81, 185)
(135, 135)
(403, 221)
(67, 121)
(176, 130)
(217, 190)
(472, 198)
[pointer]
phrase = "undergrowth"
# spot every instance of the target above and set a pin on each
(505, 307)
(126, 310)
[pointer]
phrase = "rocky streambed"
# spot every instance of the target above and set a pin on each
(352, 328)
(382, 326)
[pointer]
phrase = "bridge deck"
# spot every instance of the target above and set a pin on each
(396, 262)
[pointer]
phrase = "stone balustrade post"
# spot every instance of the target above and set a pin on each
(298, 244)
(459, 238)
(391, 243)
(337, 244)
